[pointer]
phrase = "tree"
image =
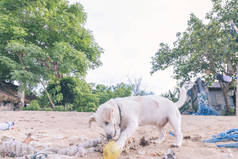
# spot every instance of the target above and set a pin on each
(136, 86)
(71, 91)
(82, 96)
(203, 47)
(172, 95)
(104, 93)
(43, 39)
(236, 99)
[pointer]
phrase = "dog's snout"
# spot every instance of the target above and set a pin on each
(109, 137)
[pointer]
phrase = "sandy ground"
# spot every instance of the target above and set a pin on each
(62, 129)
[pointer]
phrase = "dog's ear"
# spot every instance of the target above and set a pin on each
(91, 119)
(109, 113)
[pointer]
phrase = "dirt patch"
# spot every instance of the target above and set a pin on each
(62, 129)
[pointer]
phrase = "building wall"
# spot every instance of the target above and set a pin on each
(7, 106)
(217, 101)
(8, 101)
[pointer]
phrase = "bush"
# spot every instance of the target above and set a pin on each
(47, 109)
(34, 105)
(60, 108)
(71, 93)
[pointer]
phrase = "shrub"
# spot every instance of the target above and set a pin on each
(60, 108)
(34, 105)
(47, 109)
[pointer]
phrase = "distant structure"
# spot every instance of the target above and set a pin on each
(10, 97)
(207, 100)
(216, 98)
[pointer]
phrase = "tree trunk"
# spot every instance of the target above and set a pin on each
(236, 90)
(225, 89)
(21, 96)
(48, 95)
(236, 74)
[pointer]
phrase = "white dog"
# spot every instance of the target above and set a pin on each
(121, 116)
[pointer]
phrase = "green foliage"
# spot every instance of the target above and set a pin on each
(71, 93)
(105, 93)
(201, 47)
(70, 87)
(55, 92)
(80, 96)
(43, 100)
(69, 107)
(47, 109)
(40, 39)
(172, 95)
(204, 47)
(86, 102)
(60, 108)
(34, 105)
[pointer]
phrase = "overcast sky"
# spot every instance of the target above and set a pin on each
(130, 32)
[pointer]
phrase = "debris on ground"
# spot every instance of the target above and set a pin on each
(187, 137)
(169, 155)
(6, 125)
(229, 135)
(144, 142)
(28, 139)
(9, 147)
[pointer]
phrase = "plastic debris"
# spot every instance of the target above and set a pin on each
(234, 145)
(6, 125)
(171, 133)
(224, 78)
(229, 135)
(12, 148)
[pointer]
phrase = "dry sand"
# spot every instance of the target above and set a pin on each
(61, 129)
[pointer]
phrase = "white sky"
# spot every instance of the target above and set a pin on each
(130, 32)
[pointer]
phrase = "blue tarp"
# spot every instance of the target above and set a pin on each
(202, 98)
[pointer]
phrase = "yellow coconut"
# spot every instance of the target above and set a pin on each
(111, 151)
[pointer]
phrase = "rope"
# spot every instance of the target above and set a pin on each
(235, 145)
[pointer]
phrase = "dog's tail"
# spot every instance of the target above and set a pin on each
(182, 97)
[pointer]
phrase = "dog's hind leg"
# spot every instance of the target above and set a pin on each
(162, 132)
(176, 124)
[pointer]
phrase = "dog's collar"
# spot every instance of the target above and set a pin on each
(119, 109)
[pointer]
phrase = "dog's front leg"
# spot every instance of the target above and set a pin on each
(125, 134)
